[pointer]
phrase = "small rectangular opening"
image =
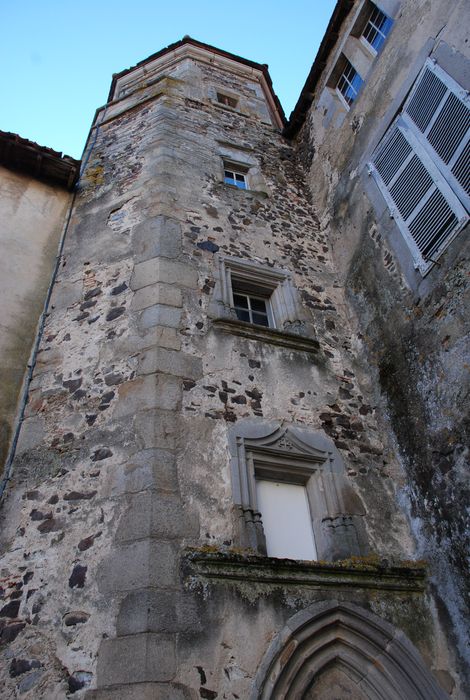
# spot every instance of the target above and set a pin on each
(227, 100)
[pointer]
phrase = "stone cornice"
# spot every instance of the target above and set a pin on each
(188, 47)
(267, 335)
(366, 573)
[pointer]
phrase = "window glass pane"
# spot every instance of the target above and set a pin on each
(377, 28)
(229, 177)
(287, 524)
(240, 300)
(258, 305)
(356, 82)
(243, 315)
(349, 83)
(240, 181)
(260, 319)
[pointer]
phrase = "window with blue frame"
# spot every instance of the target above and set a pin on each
(377, 29)
(349, 83)
(236, 175)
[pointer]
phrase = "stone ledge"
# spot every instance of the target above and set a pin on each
(267, 335)
(358, 572)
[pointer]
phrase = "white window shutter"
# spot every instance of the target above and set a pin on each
(439, 109)
(426, 209)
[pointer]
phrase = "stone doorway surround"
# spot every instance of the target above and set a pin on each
(377, 659)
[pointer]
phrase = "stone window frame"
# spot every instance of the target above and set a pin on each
(215, 92)
(227, 100)
(241, 158)
(295, 454)
(274, 284)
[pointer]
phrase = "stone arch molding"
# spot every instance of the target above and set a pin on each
(296, 453)
(378, 660)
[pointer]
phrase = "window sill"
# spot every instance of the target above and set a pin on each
(205, 564)
(273, 336)
(372, 53)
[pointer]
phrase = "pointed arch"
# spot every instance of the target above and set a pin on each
(379, 659)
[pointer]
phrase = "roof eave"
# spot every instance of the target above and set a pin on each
(45, 164)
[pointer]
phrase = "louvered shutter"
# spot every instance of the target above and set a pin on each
(426, 209)
(422, 164)
(439, 108)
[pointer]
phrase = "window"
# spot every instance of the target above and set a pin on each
(250, 299)
(227, 100)
(252, 309)
(256, 294)
(377, 29)
(349, 83)
(422, 165)
(291, 494)
(235, 175)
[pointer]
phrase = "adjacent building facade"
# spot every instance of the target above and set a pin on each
(237, 475)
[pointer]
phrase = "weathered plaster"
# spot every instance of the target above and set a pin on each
(32, 216)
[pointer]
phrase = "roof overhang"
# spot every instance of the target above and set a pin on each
(37, 161)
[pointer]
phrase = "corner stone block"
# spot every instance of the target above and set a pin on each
(162, 336)
(153, 391)
(153, 514)
(157, 428)
(168, 362)
(140, 658)
(65, 293)
(160, 293)
(163, 270)
(159, 315)
(138, 565)
(147, 469)
(33, 431)
(158, 611)
(157, 236)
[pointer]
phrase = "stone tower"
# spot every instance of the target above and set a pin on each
(204, 498)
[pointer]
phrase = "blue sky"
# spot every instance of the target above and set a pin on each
(58, 57)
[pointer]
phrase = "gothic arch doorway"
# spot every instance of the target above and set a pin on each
(339, 651)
